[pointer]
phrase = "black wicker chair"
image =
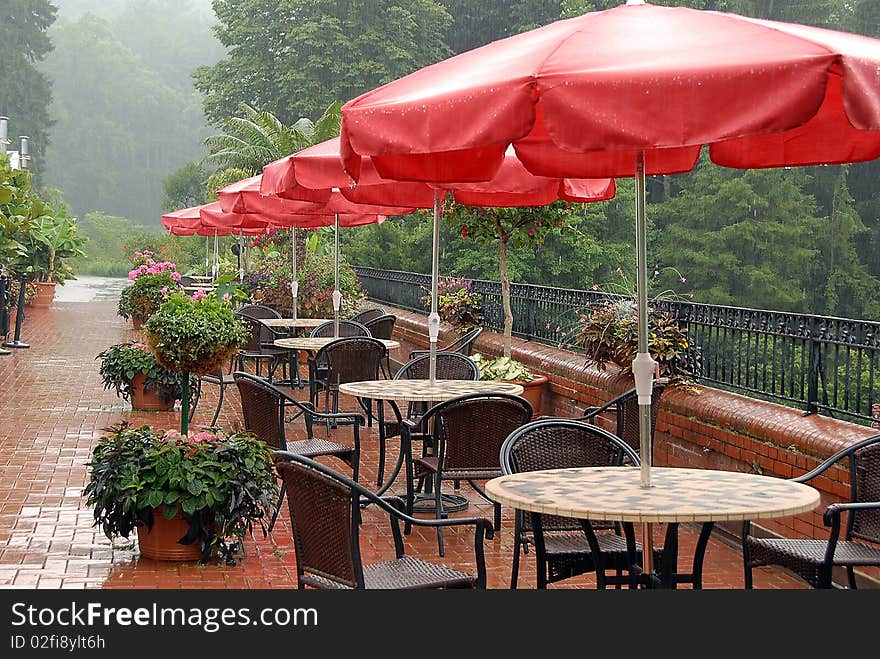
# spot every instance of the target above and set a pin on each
(382, 328)
(566, 547)
(468, 432)
(368, 314)
(264, 407)
(220, 377)
(625, 409)
(259, 348)
(463, 344)
(814, 560)
(347, 359)
(449, 366)
(325, 512)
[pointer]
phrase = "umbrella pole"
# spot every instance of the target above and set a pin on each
(337, 296)
(207, 256)
(241, 257)
(294, 284)
(643, 366)
(216, 270)
(434, 317)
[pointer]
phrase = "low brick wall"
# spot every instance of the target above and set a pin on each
(697, 427)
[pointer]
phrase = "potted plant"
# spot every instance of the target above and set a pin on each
(133, 371)
(194, 334)
(506, 369)
(151, 281)
(51, 240)
(457, 304)
(189, 497)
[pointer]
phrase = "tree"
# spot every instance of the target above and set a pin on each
(25, 93)
(293, 57)
(185, 187)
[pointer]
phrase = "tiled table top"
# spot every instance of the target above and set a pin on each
(676, 495)
(316, 343)
(293, 322)
(425, 390)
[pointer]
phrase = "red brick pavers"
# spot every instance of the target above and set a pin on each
(53, 409)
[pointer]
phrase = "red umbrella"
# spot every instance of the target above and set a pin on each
(319, 167)
(633, 90)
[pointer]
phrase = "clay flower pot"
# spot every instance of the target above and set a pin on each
(161, 542)
(150, 400)
(45, 294)
(533, 391)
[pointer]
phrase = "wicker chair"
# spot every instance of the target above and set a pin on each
(566, 547)
(220, 377)
(814, 560)
(259, 348)
(468, 432)
(347, 359)
(325, 512)
(263, 407)
(382, 328)
(463, 344)
(449, 366)
(368, 314)
(625, 409)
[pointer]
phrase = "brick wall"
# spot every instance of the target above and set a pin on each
(697, 427)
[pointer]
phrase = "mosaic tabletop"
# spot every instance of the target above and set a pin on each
(316, 343)
(293, 322)
(676, 495)
(425, 390)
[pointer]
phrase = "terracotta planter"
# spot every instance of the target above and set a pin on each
(45, 294)
(150, 400)
(160, 542)
(534, 392)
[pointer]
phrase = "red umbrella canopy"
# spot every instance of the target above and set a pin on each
(191, 221)
(513, 185)
(581, 97)
(245, 196)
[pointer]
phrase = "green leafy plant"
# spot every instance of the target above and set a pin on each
(143, 297)
(502, 368)
(30, 292)
(121, 362)
(221, 483)
(457, 304)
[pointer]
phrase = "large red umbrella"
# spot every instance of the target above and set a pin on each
(303, 174)
(634, 90)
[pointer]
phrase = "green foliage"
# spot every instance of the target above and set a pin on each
(502, 368)
(457, 304)
(145, 295)
(296, 57)
(30, 292)
(185, 187)
(194, 334)
(121, 362)
(51, 242)
(221, 483)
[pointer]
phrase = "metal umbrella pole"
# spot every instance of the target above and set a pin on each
(434, 316)
(207, 256)
(337, 295)
(215, 270)
(294, 284)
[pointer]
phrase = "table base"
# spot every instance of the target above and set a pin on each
(452, 503)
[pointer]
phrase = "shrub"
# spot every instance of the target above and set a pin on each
(121, 362)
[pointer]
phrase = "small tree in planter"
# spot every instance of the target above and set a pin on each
(193, 335)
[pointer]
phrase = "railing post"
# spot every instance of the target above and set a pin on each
(815, 363)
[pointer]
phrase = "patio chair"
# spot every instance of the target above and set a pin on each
(185, 280)
(220, 377)
(566, 547)
(463, 344)
(815, 560)
(257, 348)
(625, 409)
(263, 406)
(449, 366)
(468, 432)
(347, 359)
(325, 513)
(368, 314)
(382, 327)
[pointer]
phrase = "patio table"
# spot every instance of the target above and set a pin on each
(677, 495)
(421, 391)
(294, 323)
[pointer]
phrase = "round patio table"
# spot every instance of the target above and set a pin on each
(318, 342)
(296, 323)
(677, 495)
(422, 391)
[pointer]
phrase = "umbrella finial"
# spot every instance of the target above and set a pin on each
(635, 2)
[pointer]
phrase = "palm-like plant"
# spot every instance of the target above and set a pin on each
(257, 138)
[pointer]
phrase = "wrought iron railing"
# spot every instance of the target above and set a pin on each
(816, 363)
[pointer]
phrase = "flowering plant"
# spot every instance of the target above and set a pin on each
(220, 482)
(457, 303)
(152, 280)
(121, 362)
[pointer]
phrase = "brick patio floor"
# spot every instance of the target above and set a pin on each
(54, 407)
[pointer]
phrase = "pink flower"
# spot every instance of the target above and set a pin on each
(537, 223)
(682, 279)
(175, 276)
(559, 223)
(595, 287)
(226, 297)
(198, 295)
(133, 274)
(164, 290)
(464, 231)
(531, 232)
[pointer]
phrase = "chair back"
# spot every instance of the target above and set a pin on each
(185, 280)
(256, 335)
(865, 524)
(352, 358)
(470, 430)
(258, 311)
(465, 343)
(560, 444)
(325, 517)
(262, 409)
(450, 366)
(346, 328)
(368, 315)
(381, 327)
(627, 414)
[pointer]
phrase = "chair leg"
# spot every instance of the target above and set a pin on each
(438, 508)
(851, 577)
(219, 405)
(514, 570)
(277, 508)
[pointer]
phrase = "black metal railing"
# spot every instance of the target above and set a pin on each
(816, 363)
